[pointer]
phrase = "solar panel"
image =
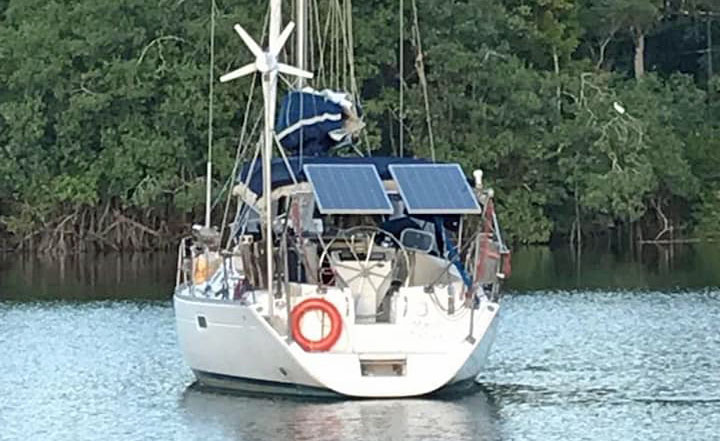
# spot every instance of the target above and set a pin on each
(348, 189)
(434, 189)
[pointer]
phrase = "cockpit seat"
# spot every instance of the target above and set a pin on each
(397, 225)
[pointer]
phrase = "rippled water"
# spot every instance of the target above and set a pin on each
(589, 364)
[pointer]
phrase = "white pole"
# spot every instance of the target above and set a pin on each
(275, 19)
(300, 39)
(269, 91)
(269, 80)
(208, 186)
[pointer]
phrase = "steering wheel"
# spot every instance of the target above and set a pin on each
(366, 269)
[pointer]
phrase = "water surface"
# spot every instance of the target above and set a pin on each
(626, 350)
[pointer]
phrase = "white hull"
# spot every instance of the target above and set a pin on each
(237, 348)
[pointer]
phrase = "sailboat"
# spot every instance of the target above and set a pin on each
(351, 276)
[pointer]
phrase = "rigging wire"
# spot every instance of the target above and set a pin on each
(301, 33)
(321, 29)
(332, 52)
(244, 208)
(342, 23)
(420, 66)
(230, 179)
(402, 79)
(350, 48)
(242, 147)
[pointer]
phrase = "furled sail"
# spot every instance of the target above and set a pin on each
(312, 122)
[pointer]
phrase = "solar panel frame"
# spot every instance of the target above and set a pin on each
(455, 182)
(368, 187)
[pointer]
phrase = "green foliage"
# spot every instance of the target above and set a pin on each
(707, 214)
(106, 103)
(543, 28)
(612, 16)
(521, 212)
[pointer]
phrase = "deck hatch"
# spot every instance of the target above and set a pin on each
(434, 189)
(348, 189)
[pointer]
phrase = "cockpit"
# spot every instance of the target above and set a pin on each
(367, 226)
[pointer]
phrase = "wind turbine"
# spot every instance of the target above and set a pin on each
(266, 62)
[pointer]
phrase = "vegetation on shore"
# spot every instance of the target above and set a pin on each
(590, 118)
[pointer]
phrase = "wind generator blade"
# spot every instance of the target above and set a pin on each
(276, 46)
(237, 73)
(292, 70)
(249, 42)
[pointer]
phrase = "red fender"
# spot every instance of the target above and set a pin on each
(507, 264)
(485, 243)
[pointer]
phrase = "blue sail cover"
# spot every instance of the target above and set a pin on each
(308, 121)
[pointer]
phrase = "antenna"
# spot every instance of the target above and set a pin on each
(208, 183)
(300, 12)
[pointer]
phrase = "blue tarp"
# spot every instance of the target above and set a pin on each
(305, 122)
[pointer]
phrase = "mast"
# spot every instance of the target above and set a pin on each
(269, 80)
(267, 64)
(300, 39)
(208, 183)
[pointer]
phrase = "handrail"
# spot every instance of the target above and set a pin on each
(178, 269)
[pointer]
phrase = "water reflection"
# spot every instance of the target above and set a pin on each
(470, 415)
(151, 275)
(87, 276)
(649, 266)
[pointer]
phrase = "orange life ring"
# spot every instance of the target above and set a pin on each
(326, 307)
